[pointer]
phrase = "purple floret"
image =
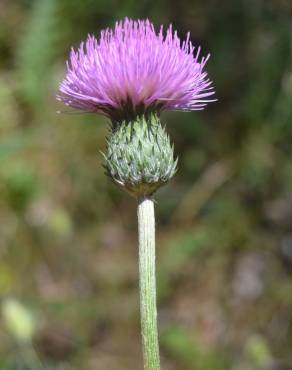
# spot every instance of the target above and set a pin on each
(132, 70)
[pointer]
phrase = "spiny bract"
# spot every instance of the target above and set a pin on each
(139, 156)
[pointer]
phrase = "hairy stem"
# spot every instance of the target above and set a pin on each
(146, 225)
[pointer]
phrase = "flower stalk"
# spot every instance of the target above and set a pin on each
(147, 283)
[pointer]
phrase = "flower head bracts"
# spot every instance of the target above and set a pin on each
(133, 71)
(140, 157)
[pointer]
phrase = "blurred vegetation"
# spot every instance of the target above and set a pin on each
(68, 251)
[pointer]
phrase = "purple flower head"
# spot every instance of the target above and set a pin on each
(132, 70)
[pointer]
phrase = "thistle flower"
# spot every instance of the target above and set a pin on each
(132, 71)
(131, 75)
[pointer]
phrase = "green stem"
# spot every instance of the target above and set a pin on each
(146, 225)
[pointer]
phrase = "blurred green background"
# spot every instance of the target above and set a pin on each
(68, 243)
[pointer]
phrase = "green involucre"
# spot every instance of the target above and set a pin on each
(139, 155)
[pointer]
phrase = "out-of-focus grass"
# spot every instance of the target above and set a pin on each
(187, 352)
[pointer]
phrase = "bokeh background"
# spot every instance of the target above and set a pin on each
(68, 242)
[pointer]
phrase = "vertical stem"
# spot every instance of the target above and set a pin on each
(148, 312)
